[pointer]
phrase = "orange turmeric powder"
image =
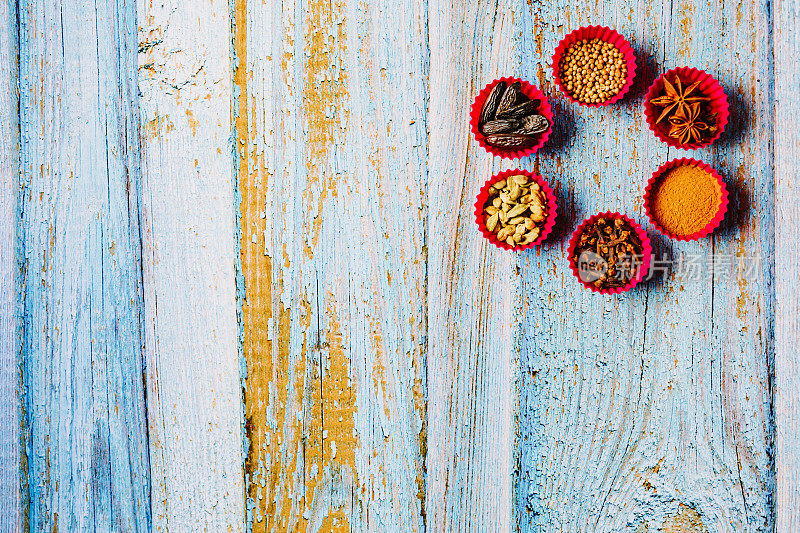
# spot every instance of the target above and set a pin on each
(685, 199)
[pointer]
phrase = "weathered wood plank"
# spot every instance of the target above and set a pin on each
(86, 435)
(193, 366)
(787, 263)
(472, 285)
(653, 408)
(11, 509)
(332, 146)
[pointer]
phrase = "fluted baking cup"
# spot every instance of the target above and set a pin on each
(529, 90)
(483, 197)
(647, 251)
(603, 33)
(656, 178)
(709, 86)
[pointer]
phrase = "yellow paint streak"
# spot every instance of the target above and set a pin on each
(329, 404)
(336, 522)
(330, 438)
(739, 15)
(297, 431)
(324, 99)
(421, 408)
(687, 520)
(378, 367)
(687, 14)
(282, 481)
(264, 472)
(300, 408)
(338, 396)
(741, 256)
(539, 34)
(192, 121)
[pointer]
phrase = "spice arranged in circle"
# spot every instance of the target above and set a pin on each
(686, 108)
(607, 253)
(509, 119)
(516, 210)
(686, 199)
(592, 70)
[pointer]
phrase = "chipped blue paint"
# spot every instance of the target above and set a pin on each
(86, 435)
(471, 285)
(11, 479)
(787, 261)
(188, 223)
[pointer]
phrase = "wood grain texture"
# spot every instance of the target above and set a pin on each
(193, 366)
(86, 435)
(11, 508)
(652, 410)
(787, 263)
(332, 146)
(472, 285)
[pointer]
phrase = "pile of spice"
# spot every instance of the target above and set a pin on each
(593, 71)
(685, 199)
(688, 111)
(509, 119)
(516, 210)
(608, 253)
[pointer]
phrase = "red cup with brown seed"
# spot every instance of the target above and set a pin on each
(594, 66)
(516, 209)
(686, 108)
(609, 253)
(511, 118)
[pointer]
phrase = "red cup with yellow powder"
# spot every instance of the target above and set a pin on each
(686, 199)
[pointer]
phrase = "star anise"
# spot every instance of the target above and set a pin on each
(690, 126)
(677, 98)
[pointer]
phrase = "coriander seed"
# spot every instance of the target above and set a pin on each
(593, 71)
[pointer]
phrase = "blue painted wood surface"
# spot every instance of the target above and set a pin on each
(638, 408)
(11, 489)
(786, 138)
(193, 364)
(331, 138)
(86, 459)
(471, 285)
(478, 390)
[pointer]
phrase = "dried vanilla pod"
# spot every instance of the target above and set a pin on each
(533, 124)
(510, 140)
(520, 110)
(500, 126)
(510, 119)
(510, 98)
(516, 210)
(492, 101)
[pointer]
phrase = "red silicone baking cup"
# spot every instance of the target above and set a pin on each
(483, 196)
(708, 86)
(529, 90)
(647, 251)
(605, 34)
(723, 202)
